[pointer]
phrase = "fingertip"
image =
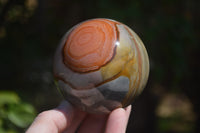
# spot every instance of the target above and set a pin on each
(117, 120)
(67, 110)
(128, 110)
(128, 107)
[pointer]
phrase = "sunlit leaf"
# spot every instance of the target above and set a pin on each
(21, 115)
(7, 97)
(2, 130)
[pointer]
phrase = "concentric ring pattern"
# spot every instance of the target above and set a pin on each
(90, 45)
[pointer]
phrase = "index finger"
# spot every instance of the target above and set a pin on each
(55, 120)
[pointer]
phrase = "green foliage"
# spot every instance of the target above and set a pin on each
(175, 123)
(15, 115)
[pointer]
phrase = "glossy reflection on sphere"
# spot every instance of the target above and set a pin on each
(100, 65)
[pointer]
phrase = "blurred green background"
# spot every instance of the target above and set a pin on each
(30, 30)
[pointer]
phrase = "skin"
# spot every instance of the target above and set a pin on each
(67, 119)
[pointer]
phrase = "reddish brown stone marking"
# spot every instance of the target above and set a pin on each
(90, 45)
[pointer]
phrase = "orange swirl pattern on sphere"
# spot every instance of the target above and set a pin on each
(90, 45)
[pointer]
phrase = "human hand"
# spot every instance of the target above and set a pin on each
(66, 119)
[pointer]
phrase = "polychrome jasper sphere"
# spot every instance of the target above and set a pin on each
(100, 65)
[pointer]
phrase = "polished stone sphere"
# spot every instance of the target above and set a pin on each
(100, 65)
